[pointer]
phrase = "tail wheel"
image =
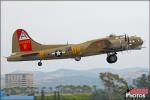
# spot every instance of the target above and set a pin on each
(40, 63)
(77, 58)
(112, 58)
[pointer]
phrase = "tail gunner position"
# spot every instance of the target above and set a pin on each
(26, 49)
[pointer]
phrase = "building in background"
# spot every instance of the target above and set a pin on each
(18, 80)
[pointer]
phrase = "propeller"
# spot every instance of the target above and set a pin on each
(125, 37)
(127, 40)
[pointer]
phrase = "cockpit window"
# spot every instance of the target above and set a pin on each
(117, 38)
(120, 37)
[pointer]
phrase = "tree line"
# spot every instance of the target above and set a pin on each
(115, 88)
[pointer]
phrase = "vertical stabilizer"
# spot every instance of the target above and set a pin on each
(21, 42)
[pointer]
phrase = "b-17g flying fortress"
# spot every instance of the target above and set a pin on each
(26, 49)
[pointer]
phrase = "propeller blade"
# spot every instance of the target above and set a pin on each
(128, 40)
(125, 37)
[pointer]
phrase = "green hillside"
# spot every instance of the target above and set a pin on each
(66, 97)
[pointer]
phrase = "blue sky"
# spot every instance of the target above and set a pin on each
(57, 22)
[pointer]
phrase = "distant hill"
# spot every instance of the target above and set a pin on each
(80, 77)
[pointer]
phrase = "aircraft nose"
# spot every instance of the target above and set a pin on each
(140, 41)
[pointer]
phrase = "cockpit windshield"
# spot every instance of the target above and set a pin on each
(117, 36)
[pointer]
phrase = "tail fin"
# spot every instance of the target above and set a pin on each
(22, 42)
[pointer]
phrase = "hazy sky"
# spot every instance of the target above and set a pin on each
(57, 22)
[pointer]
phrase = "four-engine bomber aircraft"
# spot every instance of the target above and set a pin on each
(26, 49)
